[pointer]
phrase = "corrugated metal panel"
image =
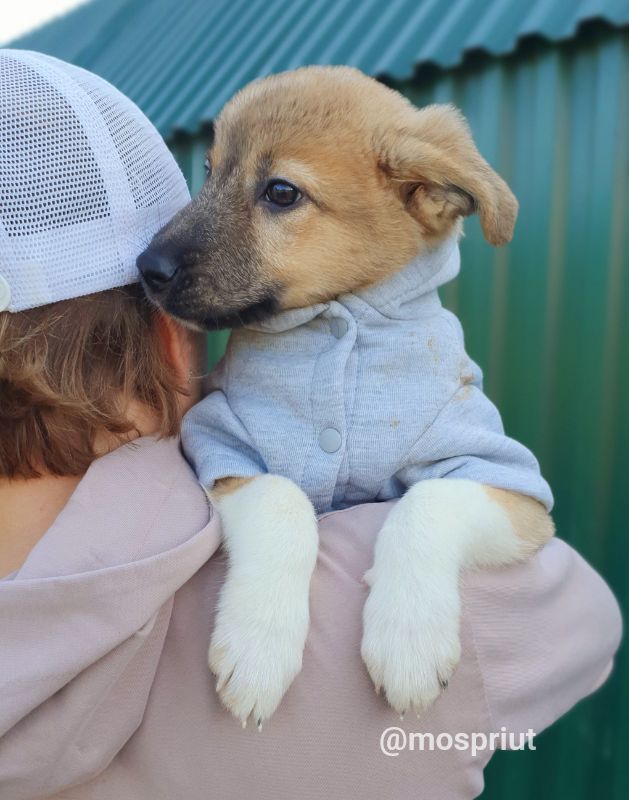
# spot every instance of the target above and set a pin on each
(180, 61)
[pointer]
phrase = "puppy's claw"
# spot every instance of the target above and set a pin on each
(443, 682)
(259, 725)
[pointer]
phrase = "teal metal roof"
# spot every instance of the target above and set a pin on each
(180, 60)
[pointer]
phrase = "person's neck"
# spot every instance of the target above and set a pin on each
(28, 508)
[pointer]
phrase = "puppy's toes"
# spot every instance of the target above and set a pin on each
(251, 680)
(255, 660)
(408, 651)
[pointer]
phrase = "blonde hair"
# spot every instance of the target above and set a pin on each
(67, 372)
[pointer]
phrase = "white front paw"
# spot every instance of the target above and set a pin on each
(270, 529)
(411, 642)
(256, 652)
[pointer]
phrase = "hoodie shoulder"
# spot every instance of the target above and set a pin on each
(87, 614)
(133, 503)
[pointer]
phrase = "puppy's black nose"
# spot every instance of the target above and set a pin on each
(157, 269)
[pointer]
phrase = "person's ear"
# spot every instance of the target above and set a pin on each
(440, 175)
(177, 345)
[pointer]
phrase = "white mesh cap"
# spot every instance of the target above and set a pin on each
(85, 182)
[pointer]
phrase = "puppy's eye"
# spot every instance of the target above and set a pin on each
(207, 166)
(281, 193)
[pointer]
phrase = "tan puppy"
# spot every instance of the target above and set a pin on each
(320, 182)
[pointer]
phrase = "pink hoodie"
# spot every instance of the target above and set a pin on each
(105, 693)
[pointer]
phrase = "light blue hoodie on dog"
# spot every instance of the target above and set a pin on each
(358, 398)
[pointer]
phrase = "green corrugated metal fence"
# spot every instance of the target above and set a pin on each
(548, 320)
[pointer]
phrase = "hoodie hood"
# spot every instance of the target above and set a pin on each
(86, 615)
(396, 297)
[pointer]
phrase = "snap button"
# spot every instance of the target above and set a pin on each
(338, 327)
(330, 440)
(5, 294)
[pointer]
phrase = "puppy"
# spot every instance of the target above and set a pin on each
(329, 218)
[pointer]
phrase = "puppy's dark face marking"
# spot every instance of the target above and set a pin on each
(216, 277)
(320, 181)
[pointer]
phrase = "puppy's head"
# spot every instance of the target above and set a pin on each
(320, 181)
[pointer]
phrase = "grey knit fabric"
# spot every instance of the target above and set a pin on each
(359, 398)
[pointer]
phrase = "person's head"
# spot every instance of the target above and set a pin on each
(85, 360)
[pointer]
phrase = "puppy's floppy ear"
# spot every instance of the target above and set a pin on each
(434, 164)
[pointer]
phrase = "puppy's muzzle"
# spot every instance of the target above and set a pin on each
(158, 269)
